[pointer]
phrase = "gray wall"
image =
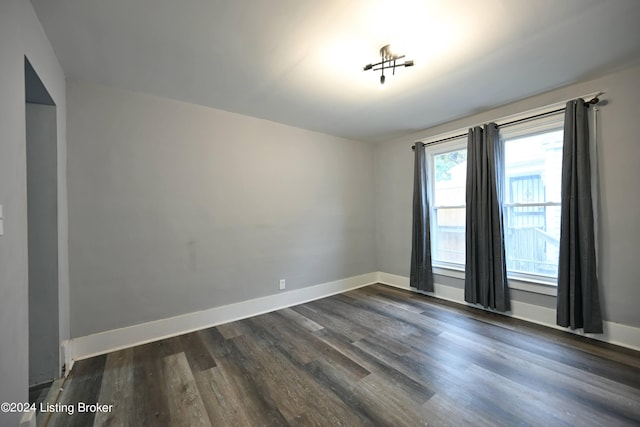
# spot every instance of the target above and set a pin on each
(175, 208)
(42, 207)
(619, 154)
(20, 35)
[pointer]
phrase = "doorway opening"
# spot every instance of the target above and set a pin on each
(42, 226)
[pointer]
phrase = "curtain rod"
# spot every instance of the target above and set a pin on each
(593, 101)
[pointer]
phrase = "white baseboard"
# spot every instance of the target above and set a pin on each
(28, 419)
(394, 280)
(116, 339)
(65, 357)
(614, 333)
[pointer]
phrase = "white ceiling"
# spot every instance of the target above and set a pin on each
(299, 62)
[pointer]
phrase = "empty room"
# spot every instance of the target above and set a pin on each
(319, 213)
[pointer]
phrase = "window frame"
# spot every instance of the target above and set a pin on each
(431, 152)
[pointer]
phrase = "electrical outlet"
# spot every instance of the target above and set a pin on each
(282, 284)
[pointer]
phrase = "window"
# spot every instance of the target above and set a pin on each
(531, 205)
(448, 168)
(533, 170)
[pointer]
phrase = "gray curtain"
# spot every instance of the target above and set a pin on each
(421, 276)
(485, 270)
(578, 302)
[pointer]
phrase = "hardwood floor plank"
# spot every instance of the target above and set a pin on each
(523, 403)
(259, 408)
(401, 314)
(334, 321)
(558, 386)
(116, 389)
(371, 361)
(231, 330)
(197, 354)
(150, 406)
(382, 340)
(282, 334)
(557, 373)
(303, 321)
(555, 352)
(220, 398)
(215, 343)
(288, 387)
(366, 317)
(331, 379)
(266, 372)
(185, 403)
(442, 411)
(83, 387)
(392, 410)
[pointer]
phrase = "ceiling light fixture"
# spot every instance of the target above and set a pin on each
(388, 61)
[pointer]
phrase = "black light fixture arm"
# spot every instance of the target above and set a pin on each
(388, 61)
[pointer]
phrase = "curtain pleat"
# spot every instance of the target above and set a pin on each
(421, 276)
(485, 267)
(578, 304)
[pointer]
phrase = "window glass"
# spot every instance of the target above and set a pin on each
(450, 173)
(533, 168)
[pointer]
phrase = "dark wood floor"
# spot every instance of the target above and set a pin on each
(374, 356)
(38, 393)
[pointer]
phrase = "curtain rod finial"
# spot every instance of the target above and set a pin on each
(595, 100)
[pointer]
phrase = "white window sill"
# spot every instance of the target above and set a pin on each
(528, 285)
(533, 286)
(449, 271)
